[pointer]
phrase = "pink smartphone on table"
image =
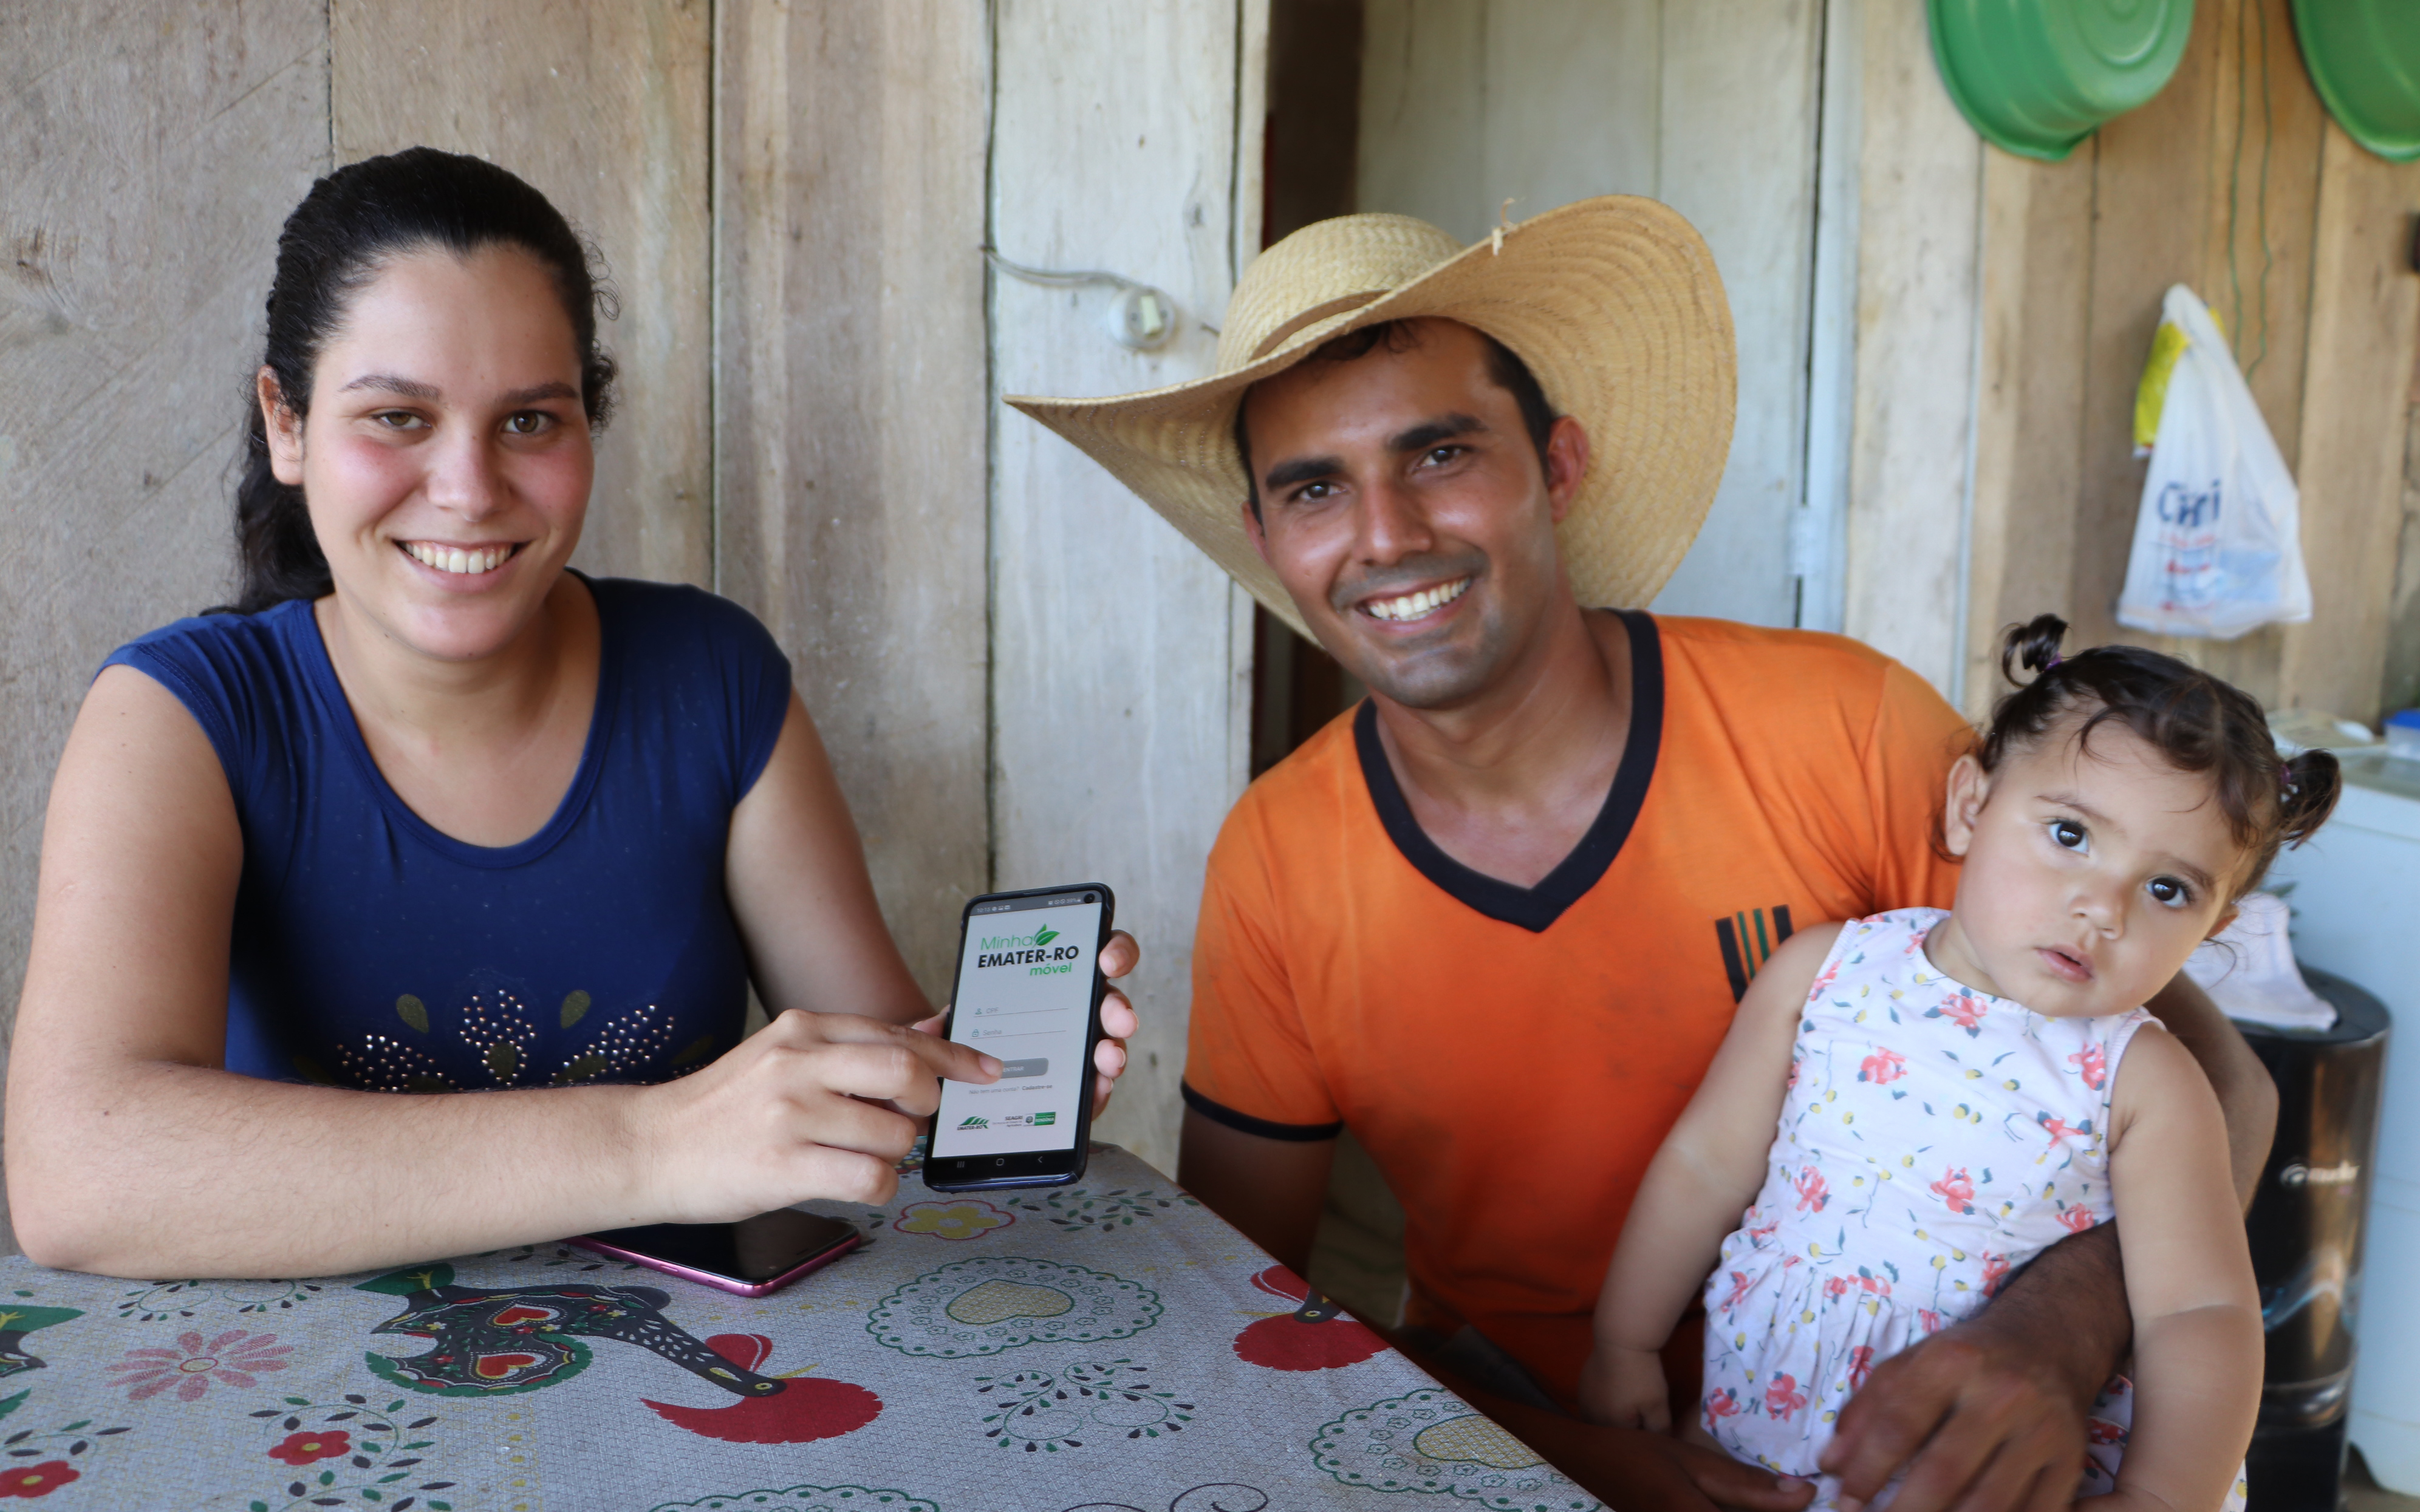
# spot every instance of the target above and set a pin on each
(750, 1258)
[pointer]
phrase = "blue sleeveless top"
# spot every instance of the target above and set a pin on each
(371, 951)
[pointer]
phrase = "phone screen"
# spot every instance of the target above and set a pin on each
(1025, 995)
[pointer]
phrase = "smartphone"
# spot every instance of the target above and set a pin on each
(751, 1258)
(1029, 989)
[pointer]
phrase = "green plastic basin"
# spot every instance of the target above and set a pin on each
(2038, 76)
(2364, 60)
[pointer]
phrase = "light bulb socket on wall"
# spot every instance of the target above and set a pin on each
(1139, 317)
(1142, 318)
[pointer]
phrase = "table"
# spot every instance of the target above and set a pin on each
(1102, 1347)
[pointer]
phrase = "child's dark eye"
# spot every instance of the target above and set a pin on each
(2067, 834)
(2170, 892)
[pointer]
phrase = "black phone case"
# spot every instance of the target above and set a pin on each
(1092, 1042)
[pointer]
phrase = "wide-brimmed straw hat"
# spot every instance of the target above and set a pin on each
(1613, 303)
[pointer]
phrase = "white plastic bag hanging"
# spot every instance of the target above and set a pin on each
(2218, 547)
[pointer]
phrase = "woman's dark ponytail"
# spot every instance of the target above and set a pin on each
(351, 222)
(277, 551)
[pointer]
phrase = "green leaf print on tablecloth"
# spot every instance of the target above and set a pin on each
(805, 1499)
(351, 1453)
(1431, 1442)
(37, 1461)
(160, 1300)
(1089, 1399)
(1103, 1212)
(982, 1306)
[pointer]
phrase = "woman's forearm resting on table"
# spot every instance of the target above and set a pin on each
(163, 1168)
(185, 1170)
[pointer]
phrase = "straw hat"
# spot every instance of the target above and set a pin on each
(1614, 303)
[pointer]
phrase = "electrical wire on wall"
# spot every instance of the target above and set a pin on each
(1140, 317)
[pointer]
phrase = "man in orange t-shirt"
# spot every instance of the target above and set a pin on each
(1495, 921)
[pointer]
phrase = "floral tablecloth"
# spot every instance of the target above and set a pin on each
(1087, 1349)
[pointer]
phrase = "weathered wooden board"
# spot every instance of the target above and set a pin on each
(2365, 316)
(852, 423)
(604, 108)
(1423, 148)
(2029, 402)
(1710, 107)
(1736, 143)
(1120, 714)
(1919, 278)
(2164, 176)
(153, 150)
(2399, 687)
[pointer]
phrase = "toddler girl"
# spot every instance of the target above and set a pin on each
(1958, 1091)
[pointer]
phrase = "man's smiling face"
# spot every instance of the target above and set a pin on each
(1404, 506)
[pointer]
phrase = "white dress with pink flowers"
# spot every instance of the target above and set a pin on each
(1935, 1139)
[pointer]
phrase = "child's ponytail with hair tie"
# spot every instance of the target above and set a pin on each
(2308, 787)
(2033, 645)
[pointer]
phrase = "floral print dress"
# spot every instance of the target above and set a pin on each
(1933, 1141)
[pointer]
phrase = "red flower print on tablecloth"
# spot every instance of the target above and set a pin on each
(36, 1480)
(1811, 1192)
(232, 1359)
(1930, 1319)
(1783, 1398)
(2091, 1064)
(1956, 1190)
(2077, 1218)
(1722, 1404)
(1884, 1065)
(1861, 1364)
(306, 1447)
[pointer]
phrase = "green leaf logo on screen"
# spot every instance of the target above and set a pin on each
(974, 1122)
(1044, 936)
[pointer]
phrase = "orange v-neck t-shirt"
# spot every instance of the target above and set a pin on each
(1513, 1056)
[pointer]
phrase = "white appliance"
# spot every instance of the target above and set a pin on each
(2356, 902)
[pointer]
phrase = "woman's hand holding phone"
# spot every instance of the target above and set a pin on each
(813, 1106)
(1119, 1021)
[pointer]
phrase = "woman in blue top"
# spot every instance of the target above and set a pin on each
(429, 812)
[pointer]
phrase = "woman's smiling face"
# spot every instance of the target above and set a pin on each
(2090, 872)
(446, 458)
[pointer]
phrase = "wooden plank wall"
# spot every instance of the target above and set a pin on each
(123, 371)
(2233, 181)
(1117, 648)
(1913, 343)
(1466, 103)
(851, 413)
(604, 109)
